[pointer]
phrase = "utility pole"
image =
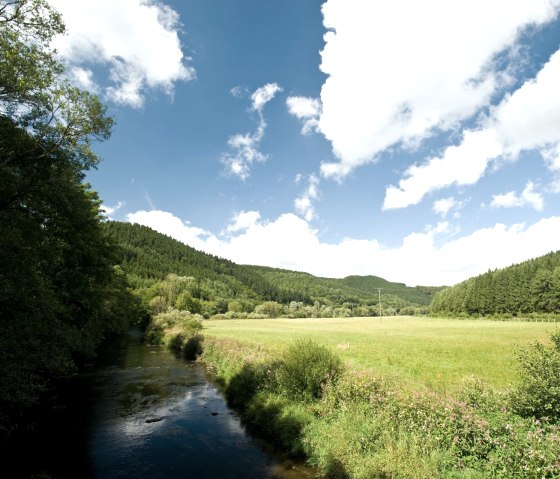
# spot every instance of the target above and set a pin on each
(379, 291)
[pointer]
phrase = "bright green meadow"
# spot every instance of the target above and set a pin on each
(432, 352)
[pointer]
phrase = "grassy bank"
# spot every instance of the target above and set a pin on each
(361, 426)
(432, 352)
(361, 423)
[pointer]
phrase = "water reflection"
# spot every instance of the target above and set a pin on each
(153, 415)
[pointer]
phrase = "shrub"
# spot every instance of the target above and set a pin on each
(279, 420)
(538, 394)
(307, 367)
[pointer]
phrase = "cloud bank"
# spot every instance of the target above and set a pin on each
(427, 258)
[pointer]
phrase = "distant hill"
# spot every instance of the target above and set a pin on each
(352, 289)
(529, 287)
(148, 257)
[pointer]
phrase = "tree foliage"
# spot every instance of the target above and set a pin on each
(538, 394)
(166, 273)
(34, 91)
(60, 293)
(529, 287)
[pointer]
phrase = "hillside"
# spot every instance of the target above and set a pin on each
(149, 257)
(529, 287)
(352, 289)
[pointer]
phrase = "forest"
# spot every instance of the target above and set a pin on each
(528, 288)
(165, 273)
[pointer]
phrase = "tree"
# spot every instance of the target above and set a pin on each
(35, 94)
(271, 309)
(59, 293)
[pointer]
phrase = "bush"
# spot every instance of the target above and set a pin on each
(188, 344)
(279, 420)
(307, 368)
(538, 394)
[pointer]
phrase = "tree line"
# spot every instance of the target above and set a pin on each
(526, 288)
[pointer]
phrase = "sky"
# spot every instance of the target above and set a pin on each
(416, 141)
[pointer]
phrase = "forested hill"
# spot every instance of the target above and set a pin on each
(149, 257)
(529, 287)
(361, 289)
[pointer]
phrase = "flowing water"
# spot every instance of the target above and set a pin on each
(143, 413)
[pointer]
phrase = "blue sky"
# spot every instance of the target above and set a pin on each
(417, 141)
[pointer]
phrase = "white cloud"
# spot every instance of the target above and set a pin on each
(422, 258)
(527, 119)
(243, 220)
(398, 71)
(137, 40)
(306, 109)
(238, 91)
(170, 225)
(552, 158)
(528, 197)
(460, 165)
(246, 146)
(304, 203)
(261, 96)
(444, 206)
(111, 210)
(83, 78)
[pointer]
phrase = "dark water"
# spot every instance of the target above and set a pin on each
(144, 413)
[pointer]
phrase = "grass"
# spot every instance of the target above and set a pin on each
(432, 352)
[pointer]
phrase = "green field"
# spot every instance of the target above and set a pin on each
(437, 353)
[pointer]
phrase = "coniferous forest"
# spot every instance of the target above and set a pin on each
(531, 287)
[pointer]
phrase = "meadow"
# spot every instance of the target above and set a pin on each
(432, 352)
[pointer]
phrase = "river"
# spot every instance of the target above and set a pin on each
(141, 412)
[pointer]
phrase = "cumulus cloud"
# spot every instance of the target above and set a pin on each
(261, 96)
(460, 165)
(444, 206)
(83, 78)
(527, 197)
(306, 109)
(243, 220)
(137, 40)
(170, 225)
(304, 204)
(422, 258)
(552, 158)
(526, 119)
(111, 210)
(399, 71)
(245, 146)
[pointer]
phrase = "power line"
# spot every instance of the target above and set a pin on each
(379, 291)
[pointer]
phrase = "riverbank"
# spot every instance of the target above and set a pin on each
(363, 426)
(140, 411)
(358, 424)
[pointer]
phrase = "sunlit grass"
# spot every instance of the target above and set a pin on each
(437, 353)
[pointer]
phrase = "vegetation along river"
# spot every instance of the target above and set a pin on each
(142, 412)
